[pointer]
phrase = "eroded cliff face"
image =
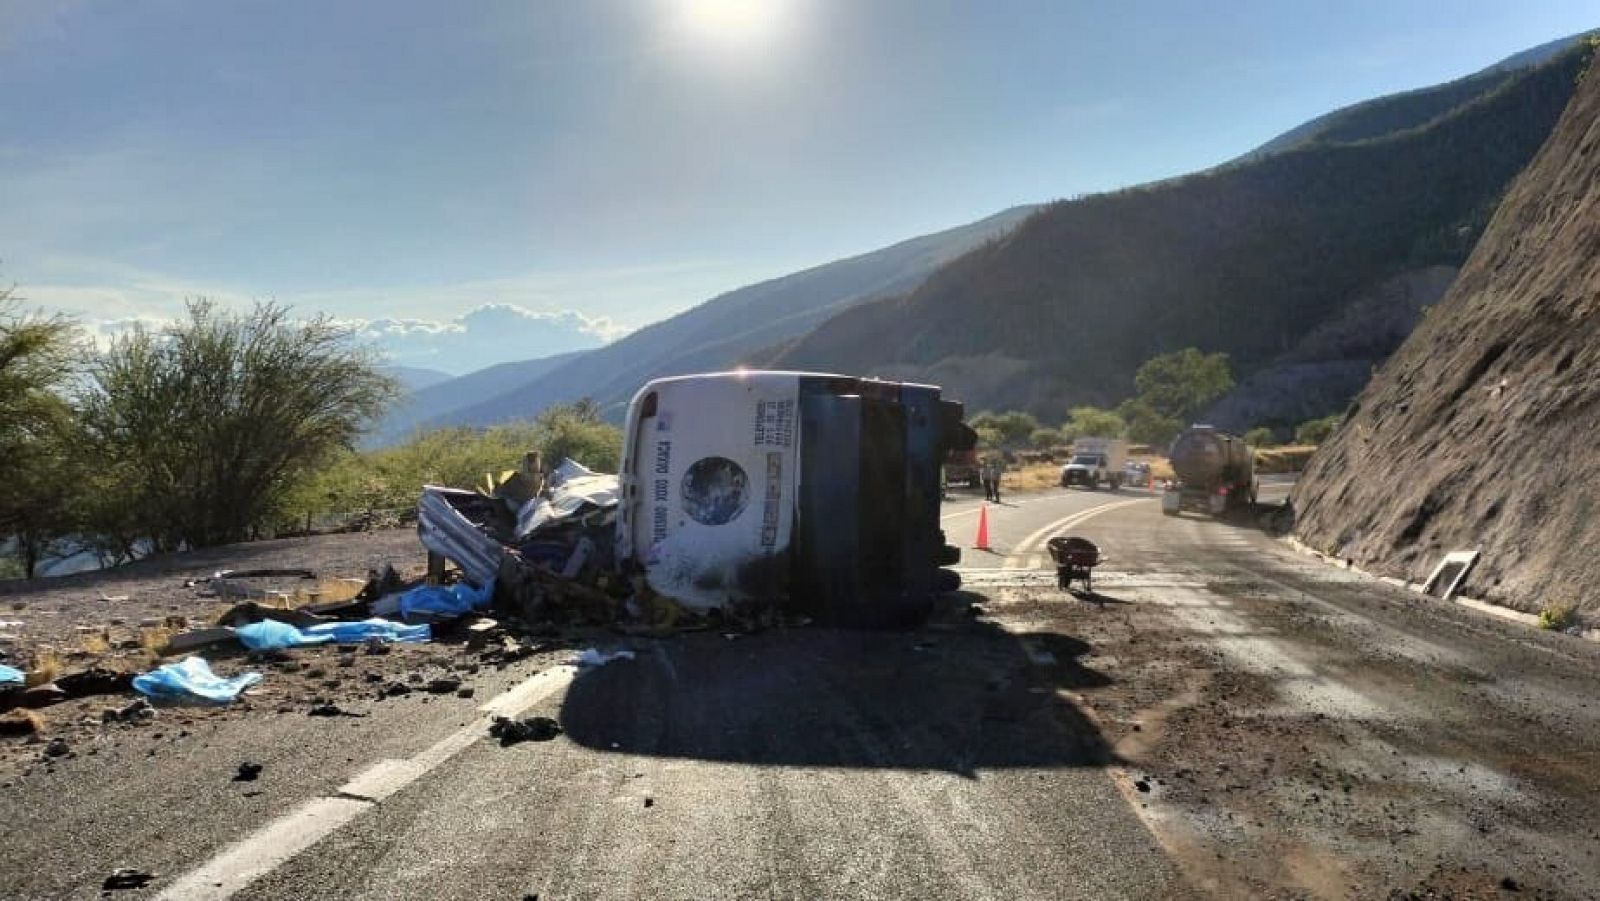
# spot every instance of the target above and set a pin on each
(1483, 430)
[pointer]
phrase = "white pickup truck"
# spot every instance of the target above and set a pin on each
(1096, 462)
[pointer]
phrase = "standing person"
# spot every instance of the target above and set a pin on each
(999, 473)
(986, 476)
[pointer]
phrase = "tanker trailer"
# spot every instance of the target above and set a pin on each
(1216, 471)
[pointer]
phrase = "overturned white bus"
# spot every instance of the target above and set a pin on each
(817, 493)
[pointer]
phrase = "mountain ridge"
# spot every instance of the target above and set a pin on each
(1244, 259)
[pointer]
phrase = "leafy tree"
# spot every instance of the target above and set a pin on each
(38, 355)
(458, 457)
(1013, 428)
(1260, 436)
(1316, 431)
(1146, 426)
(1093, 422)
(216, 417)
(1046, 438)
(576, 431)
(1180, 384)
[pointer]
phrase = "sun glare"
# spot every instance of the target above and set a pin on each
(735, 23)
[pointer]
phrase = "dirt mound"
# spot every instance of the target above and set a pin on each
(1478, 433)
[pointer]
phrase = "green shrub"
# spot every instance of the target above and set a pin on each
(1558, 615)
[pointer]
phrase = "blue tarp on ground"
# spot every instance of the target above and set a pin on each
(445, 601)
(273, 635)
(352, 633)
(191, 681)
(10, 675)
(270, 634)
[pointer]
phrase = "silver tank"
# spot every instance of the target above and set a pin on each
(1204, 456)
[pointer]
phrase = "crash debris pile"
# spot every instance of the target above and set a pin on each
(548, 548)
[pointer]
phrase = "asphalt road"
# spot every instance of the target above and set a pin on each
(1161, 739)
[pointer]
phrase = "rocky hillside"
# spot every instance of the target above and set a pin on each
(1334, 361)
(1248, 259)
(1479, 432)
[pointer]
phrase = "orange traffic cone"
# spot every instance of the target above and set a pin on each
(982, 541)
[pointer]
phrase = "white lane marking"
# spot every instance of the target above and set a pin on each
(267, 848)
(1029, 500)
(275, 843)
(1015, 561)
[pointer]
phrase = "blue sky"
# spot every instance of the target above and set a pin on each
(584, 168)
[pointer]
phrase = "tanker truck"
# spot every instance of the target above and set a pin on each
(1215, 470)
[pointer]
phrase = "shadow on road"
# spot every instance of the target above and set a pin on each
(960, 698)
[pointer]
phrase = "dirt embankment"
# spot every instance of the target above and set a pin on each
(1479, 432)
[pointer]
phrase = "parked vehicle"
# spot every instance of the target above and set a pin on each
(818, 494)
(961, 468)
(1096, 462)
(1136, 474)
(1216, 471)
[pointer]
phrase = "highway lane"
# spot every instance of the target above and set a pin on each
(1223, 719)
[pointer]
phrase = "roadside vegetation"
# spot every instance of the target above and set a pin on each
(221, 427)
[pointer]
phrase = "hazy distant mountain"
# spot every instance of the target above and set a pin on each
(416, 378)
(1247, 259)
(453, 392)
(719, 333)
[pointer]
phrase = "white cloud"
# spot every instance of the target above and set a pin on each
(487, 334)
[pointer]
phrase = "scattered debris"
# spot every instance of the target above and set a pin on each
(127, 878)
(649, 801)
(38, 696)
(251, 612)
(375, 646)
(199, 638)
(593, 657)
(479, 632)
(465, 692)
(225, 574)
(95, 681)
(21, 722)
(249, 771)
(443, 686)
(437, 602)
(533, 728)
(192, 681)
(138, 711)
(10, 675)
(395, 690)
(57, 747)
(330, 709)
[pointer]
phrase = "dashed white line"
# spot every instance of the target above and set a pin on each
(272, 845)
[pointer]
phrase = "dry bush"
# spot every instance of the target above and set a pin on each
(47, 665)
(95, 643)
(153, 641)
(1558, 615)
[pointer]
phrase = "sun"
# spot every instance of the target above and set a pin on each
(735, 23)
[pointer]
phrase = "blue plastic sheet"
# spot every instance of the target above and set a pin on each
(10, 675)
(191, 681)
(271, 634)
(445, 601)
(352, 633)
